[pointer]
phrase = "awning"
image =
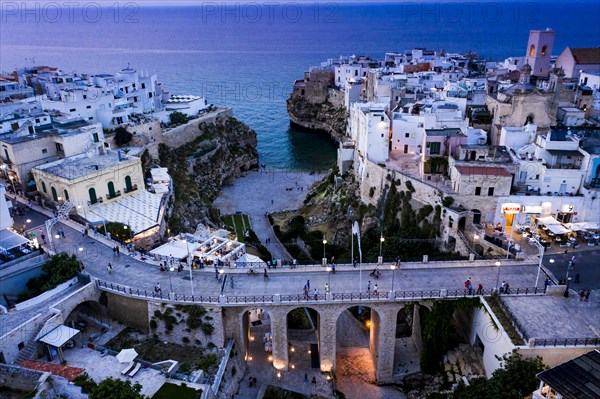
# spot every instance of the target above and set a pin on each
(558, 229)
(31, 183)
(580, 226)
(548, 220)
(178, 249)
(59, 336)
(9, 240)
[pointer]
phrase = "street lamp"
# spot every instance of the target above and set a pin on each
(381, 240)
(324, 256)
(329, 277)
(498, 276)
(170, 282)
(393, 267)
(569, 266)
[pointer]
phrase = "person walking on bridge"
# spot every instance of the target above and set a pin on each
(316, 294)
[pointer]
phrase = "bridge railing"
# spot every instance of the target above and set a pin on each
(299, 298)
(567, 342)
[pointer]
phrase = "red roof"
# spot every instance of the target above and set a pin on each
(62, 371)
(586, 55)
(481, 170)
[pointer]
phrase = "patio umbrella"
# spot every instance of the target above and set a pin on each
(127, 355)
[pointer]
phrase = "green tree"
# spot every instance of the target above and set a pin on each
(178, 118)
(122, 136)
(515, 379)
(112, 388)
(59, 268)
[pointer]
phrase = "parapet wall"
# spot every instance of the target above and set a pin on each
(184, 134)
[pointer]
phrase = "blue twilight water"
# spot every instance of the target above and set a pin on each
(247, 55)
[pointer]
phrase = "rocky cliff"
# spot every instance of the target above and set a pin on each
(322, 116)
(221, 150)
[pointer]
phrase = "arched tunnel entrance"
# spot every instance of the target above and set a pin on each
(256, 324)
(356, 347)
(303, 338)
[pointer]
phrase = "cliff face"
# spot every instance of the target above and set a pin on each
(221, 151)
(322, 116)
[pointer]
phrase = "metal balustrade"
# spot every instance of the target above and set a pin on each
(298, 298)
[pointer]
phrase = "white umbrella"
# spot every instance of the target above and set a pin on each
(127, 355)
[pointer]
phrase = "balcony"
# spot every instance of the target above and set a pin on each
(114, 195)
(98, 201)
(130, 190)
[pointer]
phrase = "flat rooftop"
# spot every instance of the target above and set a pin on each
(557, 317)
(82, 165)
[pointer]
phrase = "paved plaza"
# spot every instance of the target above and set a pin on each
(556, 317)
(259, 193)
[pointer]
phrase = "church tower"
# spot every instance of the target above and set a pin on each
(539, 51)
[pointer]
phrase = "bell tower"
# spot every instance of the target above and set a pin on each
(539, 51)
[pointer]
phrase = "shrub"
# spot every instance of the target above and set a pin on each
(207, 328)
(84, 381)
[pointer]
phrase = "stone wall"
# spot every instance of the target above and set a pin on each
(181, 330)
(184, 134)
(19, 378)
(22, 334)
(553, 356)
(130, 311)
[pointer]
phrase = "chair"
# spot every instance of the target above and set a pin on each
(127, 368)
(135, 370)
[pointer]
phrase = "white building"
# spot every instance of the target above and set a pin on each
(369, 128)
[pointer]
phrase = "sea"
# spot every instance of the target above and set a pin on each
(246, 55)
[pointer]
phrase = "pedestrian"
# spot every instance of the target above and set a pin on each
(157, 288)
(502, 287)
(62, 232)
(305, 378)
(95, 231)
(581, 295)
(470, 288)
(308, 284)
(369, 286)
(314, 380)
(480, 289)
(333, 268)
(109, 268)
(546, 284)
(316, 294)
(265, 274)
(354, 262)
(327, 288)
(118, 250)
(375, 289)
(573, 260)
(294, 263)
(162, 268)
(467, 282)
(306, 293)
(587, 295)
(43, 238)
(507, 288)
(216, 273)
(179, 268)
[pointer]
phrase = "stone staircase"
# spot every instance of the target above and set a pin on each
(31, 347)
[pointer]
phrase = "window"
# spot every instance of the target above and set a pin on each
(73, 110)
(89, 106)
(544, 50)
(407, 135)
(477, 190)
(434, 148)
(44, 151)
(532, 51)
(95, 137)
(85, 96)
(537, 177)
(44, 187)
(59, 147)
(150, 94)
(37, 120)
(143, 85)
(490, 191)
